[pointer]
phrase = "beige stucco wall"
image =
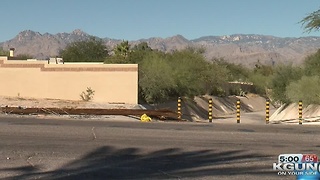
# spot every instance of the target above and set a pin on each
(113, 83)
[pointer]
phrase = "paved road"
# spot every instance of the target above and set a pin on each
(67, 149)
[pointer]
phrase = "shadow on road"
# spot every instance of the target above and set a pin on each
(108, 162)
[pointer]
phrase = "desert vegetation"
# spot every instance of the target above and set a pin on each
(163, 76)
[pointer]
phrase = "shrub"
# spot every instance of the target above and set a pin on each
(92, 50)
(283, 76)
(306, 89)
(155, 79)
(87, 95)
(312, 64)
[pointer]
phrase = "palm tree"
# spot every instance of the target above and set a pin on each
(122, 49)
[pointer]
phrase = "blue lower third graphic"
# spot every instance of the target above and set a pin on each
(308, 175)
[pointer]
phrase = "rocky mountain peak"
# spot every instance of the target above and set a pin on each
(178, 38)
(79, 32)
(27, 35)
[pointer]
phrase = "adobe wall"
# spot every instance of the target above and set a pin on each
(113, 83)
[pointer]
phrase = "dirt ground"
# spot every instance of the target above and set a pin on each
(224, 109)
(57, 103)
(196, 110)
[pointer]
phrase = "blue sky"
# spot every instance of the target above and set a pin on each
(137, 19)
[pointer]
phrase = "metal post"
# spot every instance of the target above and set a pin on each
(300, 112)
(210, 110)
(267, 111)
(179, 108)
(238, 111)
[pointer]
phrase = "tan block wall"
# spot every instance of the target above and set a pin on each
(113, 83)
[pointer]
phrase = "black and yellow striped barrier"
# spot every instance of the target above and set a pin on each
(238, 111)
(300, 112)
(267, 111)
(179, 108)
(210, 110)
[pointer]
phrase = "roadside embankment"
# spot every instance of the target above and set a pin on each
(192, 109)
(290, 114)
(196, 109)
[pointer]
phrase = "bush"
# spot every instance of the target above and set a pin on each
(181, 73)
(214, 79)
(312, 64)
(261, 83)
(189, 69)
(88, 95)
(283, 76)
(306, 89)
(92, 50)
(236, 72)
(3, 52)
(156, 81)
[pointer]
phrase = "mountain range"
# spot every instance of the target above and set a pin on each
(247, 49)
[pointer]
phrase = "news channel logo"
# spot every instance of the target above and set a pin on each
(303, 166)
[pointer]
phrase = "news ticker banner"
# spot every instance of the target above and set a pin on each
(303, 166)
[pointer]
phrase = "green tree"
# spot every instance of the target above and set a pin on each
(261, 77)
(122, 49)
(306, 89)
(182, 73)
(189, 71)
(91, 50)
(156, 81)
(135, 55)
(138, 52)
(163, 76)
(143, 46)
(3, 52)
(283, 76)
(215, 79)
(311, 22)
(116, 59)
(237, 72)
(264, 70)
(312, 64)
(261, 83)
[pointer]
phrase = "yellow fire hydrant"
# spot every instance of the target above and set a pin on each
(145, 118)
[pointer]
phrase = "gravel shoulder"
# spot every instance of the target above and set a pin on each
(57, 103)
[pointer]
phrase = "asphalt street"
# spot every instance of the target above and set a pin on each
(33, 148)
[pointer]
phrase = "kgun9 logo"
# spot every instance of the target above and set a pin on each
(303, 166)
